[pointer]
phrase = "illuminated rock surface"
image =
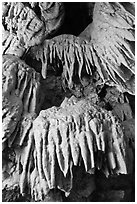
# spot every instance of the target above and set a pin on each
(68, 111)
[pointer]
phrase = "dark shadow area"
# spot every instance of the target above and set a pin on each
(78, 15)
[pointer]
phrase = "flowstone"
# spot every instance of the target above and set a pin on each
(68, 111)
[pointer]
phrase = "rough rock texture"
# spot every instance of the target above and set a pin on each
(74, 132)
(23, 81)
(106, 45)
(21, 88)
(68, 101)
(23, 27)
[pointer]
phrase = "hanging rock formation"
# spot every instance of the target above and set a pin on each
(23, 27)
(21, 88)
(106, 45)
(77, 131)
(67, 108)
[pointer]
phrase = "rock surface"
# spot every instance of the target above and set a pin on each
(68, 106)
(27, 24)
(77, 131)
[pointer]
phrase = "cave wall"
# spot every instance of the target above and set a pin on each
(32, 93)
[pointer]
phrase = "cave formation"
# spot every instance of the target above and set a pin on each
(68, 101)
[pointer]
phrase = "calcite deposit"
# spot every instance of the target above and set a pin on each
(76, 132)
(23, 27)
(68, 111)
(107, 42)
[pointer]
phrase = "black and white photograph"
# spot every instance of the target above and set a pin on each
(68, 101)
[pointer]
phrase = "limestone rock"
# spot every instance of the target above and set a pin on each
(22, 80)
(12, 110)
(23, 27)
(105, 46)
(55, 151)
(21, 103)
(74, 132)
